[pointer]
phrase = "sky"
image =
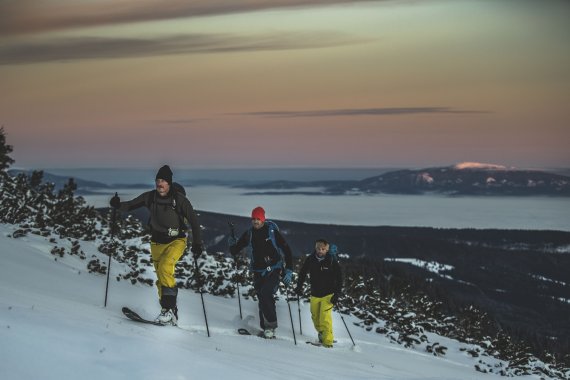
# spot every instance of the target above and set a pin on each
(53, 311)
(298, 83)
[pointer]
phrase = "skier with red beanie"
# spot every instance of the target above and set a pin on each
(271, 260)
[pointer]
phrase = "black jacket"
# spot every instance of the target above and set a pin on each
(325, 275)
(263, 252)
(170, 212)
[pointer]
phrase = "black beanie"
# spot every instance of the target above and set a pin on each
(165, 173)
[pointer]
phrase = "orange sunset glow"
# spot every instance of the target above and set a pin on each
(216, 84)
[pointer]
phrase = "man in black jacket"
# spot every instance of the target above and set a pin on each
(170, 211)
(326, 284)
(265, 244)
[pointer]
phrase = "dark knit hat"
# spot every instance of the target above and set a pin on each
(165, 173)
(258, 213)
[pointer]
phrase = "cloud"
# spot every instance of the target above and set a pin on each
(68, 49)
(36, 16)
(175, 123)
(363, 112)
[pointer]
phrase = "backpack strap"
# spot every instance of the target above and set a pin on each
(151, 205)
(182, 221)
(272, 227)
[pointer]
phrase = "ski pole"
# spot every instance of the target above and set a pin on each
(299, 306)
(113, 220)
(347, 330)
(201, 296)
(290, 315)
(233, 233)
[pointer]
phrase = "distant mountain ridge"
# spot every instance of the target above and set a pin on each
(467, 178)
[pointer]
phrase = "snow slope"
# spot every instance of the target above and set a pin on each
(53, 326)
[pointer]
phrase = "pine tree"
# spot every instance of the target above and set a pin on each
(5, 160)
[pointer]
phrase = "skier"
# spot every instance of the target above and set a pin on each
(266, 245)
(170, 210)
(326, 283)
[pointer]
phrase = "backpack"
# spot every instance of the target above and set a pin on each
(178, 188)
(272, 228)
(333, 251)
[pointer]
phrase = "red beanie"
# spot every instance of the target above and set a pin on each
(258, 213)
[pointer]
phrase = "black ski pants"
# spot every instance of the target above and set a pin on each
(266, 287)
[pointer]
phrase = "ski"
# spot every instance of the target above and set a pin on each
(318, 344)
(137, 318)
(243, 331)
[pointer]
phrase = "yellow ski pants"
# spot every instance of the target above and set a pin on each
(321, 313)
(164, 258)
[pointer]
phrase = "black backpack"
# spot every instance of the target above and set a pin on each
(178, 188)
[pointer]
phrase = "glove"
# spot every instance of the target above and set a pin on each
(232, 241)
(196, 250)
(115, 202)
(299, 291)
(287, 277)
(334, 299)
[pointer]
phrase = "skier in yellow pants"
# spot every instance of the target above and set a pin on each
(326, 284)
(170, 214)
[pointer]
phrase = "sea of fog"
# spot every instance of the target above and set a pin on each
(210, 191)
(535, 213)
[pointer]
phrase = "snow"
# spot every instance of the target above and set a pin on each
(431, 266)
(425, 177)
(53, 326)
(563, 249)
(546, 279)
(478, 165)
